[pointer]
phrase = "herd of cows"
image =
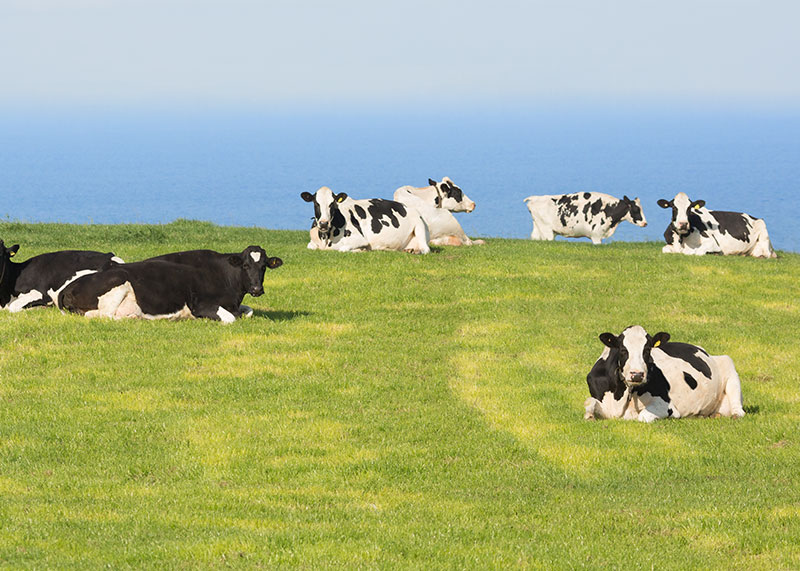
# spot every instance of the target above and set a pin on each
(638, 376)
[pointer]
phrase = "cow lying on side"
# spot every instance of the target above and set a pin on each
(347, 225)
(647, 378)
(436, 203)
(38, 280)
(206, 284)
(591, 215)
(696, 230)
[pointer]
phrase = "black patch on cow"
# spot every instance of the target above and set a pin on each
(690, 380)
(355, 223)
(567, 207)
(615, 211)
(696, 223)
(604, 377)
(347, 233)
(669, 412)
(596, 206)
(669, 234)
(688, 353)
(337, 218)
(379, 208)
(437, 201)
(452, 191)
(587, 195)
(657, 384)
(636, 212)
(360, 211)
(735, 224)
(336, 232)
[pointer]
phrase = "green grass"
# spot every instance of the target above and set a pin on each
(388, 410)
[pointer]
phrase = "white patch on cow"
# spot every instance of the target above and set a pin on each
(256, 256)
(53, 294)
(109, 302)
(246, 310)
(225, 316)
(183, 313)
(18, 303)
(634, 340)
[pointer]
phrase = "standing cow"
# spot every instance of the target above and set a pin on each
(203, 286)
(436, 203)
(347, 225)
(591, 215)
(639, 377)
(696, 230)
(38, 281)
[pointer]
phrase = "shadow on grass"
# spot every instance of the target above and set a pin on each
(280, 315)
(752, 409)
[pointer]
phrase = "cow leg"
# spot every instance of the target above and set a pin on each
(762, 247)
(110, 302)
(596, 240)
(33, 298)
(655, 410)
(731, 404)
(215, 312)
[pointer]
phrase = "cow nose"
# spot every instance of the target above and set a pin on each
(323, 225)
(643, 224)
(637, 376)
(471, 207)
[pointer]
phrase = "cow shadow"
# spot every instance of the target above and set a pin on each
(279, 315)
(752, 409)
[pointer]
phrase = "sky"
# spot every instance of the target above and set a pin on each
(275, 53)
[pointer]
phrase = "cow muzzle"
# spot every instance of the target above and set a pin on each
(635, 378)
(682, 228)
(256, 291)
(470, 207)
(323, 226)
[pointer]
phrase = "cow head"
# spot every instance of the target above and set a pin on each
(682, 209)
(5, 260)
(635, 211)
(451, 197)
(326, 207)
(253, 262)
(633, 357)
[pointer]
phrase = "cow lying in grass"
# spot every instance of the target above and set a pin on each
(648, 378)
(696, 230)
(195, 284)
(38, 281)
(347, 225)
(436, 203)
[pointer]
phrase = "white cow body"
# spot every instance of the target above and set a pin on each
(645, 378)
(592, 215)
(436, 204)
(348, 225)
(696, 230)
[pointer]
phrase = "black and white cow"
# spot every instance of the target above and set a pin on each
(346, 225)
(639, 377)
(696, 230)
(190, 284)
(591, 215)
(38, 280)
(436, 203)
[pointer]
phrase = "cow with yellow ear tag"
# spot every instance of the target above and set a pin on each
(646, 378)
(347, 225)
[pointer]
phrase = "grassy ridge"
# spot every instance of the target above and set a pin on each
(383, 409)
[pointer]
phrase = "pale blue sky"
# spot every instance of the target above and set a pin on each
(289, 53)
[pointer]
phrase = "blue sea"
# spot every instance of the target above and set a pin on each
(248, 167)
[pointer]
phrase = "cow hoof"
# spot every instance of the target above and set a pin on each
(246, 310)
(478, 242)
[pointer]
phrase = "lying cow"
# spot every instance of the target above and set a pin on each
(696, 230)
(591, 215)
(177, 286)
(436, 203)
(346, 225)
(38, 281)
(647, 378)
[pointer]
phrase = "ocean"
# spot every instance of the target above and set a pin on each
(248, 167)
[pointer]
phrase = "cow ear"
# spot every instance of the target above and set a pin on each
(12, 250)
(698, 204)
(663, 203)
(307, 196)
(235, 261)
(660, 338)
(625, 198)
(431, 182)
(273, 263)
(609, 340)
(341, 196)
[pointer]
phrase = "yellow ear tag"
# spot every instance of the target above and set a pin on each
(657, 343)
(11, 254)
(697, 207)
(340, 199)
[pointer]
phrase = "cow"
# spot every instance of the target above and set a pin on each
(591, 215)
(436, 203)
(37, 281)
(347, 225)
(197, 285)
(695, 230)
(647, 378)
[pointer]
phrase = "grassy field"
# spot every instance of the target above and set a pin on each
(388, 410)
